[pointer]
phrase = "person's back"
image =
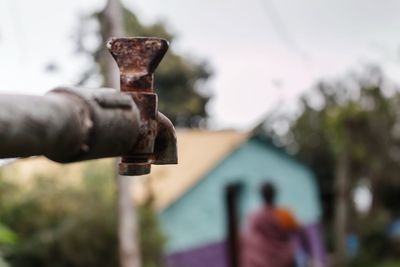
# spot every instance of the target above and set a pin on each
(267, 235)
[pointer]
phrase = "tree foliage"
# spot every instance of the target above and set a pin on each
(361, 107)
(179, 81)
(358, 113)
(59, 226)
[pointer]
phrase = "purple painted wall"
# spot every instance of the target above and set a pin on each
(214, 254)
(317, 248)
(210, 255)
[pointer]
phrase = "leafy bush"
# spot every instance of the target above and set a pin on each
(377, 248)
(60, 226)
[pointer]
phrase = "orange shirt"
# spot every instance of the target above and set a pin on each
(285, 218)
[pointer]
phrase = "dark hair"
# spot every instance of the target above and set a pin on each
(268, 192)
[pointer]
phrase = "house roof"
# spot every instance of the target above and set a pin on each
(198, 152)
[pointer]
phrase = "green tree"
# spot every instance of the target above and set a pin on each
(7, 238)
(179, 81)
(74, 226)
(354, 133)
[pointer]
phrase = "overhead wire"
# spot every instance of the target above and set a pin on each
(280, 27)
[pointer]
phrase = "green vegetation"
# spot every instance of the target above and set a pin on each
(54, 225)
(348, 129)
(388, 264)
(7, 237)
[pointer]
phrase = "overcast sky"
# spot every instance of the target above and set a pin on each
(265, 53)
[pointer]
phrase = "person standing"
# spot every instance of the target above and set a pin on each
(267, 236)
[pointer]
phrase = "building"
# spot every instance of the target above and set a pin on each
(190, 195)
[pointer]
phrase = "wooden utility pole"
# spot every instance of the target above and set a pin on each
(341, 202)
(129, 252)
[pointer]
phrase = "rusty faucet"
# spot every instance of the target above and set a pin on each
(70, 124)
(137, 58)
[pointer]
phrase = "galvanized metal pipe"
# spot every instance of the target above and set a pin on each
(68, 125)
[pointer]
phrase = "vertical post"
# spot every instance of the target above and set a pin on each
(341, 202)
(129, 253)
(232, 243)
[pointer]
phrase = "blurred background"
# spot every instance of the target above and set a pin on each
(304, 94)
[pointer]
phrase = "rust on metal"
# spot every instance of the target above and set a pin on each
(71, 124)
(165, 143)
(137, 58)
(68, 124)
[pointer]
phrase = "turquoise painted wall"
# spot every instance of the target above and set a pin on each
(198, 216)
